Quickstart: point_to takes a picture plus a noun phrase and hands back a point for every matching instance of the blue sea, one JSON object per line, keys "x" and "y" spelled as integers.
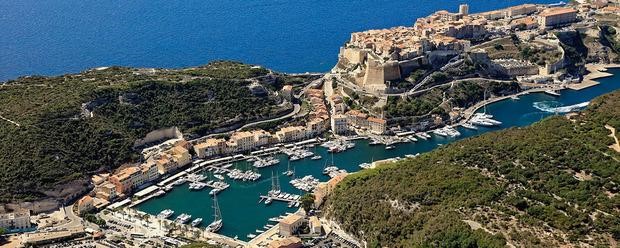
{"x": 53, "y": 37}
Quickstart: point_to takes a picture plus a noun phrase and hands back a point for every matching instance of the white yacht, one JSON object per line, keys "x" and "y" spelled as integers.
{"x": 196, "y": 222}
{"x": 183, "y": 218}
{"x": 165, "y": 214}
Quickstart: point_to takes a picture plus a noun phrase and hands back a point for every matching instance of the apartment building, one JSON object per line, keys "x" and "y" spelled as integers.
{"x": 339, "y": 124}
{"x": 519, "y": 10}
{"x": 288, "y": 134}
{"x": 290, "y": 224}
{"x": 85, "y": 204}
{"x": 553, "y": 17}
{"x": 210, "y": 148}
{"x": 357, "y": 118}
{"x": 376, "y": 125}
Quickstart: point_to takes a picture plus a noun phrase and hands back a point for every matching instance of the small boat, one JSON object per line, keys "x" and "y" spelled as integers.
{"x": 251, "y": 236}
{"x": 268, "y": 201}
{"x": 374, "y": 142}
{"x": 219, "y": 177}
{"x": 165, "y": 214}
{"x": 183, "y": 218}
{"x": 469, "y": 126}
{"x": 316, "y": 157}
{"x": 294, "y": 158}
{"x": 180, "y": 181}
{"x": 365, "y": 165}
{"x": 259, "y": 231}
{"x": 196, "y": 222}
{"x": 214, "y": 191}
{"x": 389, "y": 147}
{"x": 552, "y": 92}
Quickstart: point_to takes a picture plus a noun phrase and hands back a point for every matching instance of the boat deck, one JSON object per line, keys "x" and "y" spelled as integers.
{"x": 275, "y": 198}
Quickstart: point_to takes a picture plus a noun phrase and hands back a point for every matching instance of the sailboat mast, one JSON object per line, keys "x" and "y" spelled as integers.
{"x": 216, "y": 208}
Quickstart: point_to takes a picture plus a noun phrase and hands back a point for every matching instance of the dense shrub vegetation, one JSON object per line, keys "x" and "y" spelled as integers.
{"x": 545, "y": 185}
{"x": 463, "y": 94}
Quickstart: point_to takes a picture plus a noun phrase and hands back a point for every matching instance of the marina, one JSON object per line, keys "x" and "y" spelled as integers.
{"x": 240, "y": 202}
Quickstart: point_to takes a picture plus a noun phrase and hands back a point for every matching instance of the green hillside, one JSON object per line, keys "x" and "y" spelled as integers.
{"x": 56, "y": 142}
{"x": 546, "y": 185}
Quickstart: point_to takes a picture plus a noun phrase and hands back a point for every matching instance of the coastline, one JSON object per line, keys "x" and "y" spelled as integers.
{"x": 596, "y": 71}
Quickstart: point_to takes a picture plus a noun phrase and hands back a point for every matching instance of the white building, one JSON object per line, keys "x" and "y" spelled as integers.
{"x": 339, "y": 124}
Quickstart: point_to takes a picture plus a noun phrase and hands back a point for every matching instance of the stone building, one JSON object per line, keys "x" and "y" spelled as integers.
{"x": 553, "y": 17}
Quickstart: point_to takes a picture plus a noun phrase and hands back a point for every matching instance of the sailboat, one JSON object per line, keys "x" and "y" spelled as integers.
{"x": 289, "y": 172}
{"x": 275, "y": 185}
{"x": 216, "y": 225}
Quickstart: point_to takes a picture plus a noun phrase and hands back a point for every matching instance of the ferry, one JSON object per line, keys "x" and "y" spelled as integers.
{"x": 183, "y": 218}
{"x": 196, "y": 222}
{"x": 165, "y": 214}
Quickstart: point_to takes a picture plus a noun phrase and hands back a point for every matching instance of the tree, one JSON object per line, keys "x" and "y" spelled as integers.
{"x": 2, "y": 231}
{"x": 307, "y": 201}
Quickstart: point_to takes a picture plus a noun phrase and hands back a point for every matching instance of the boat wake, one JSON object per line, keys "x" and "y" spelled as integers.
{"x": 556, "y": 107}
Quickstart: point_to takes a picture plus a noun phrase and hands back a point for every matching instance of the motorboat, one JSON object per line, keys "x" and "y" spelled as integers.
{"x": 165, "y": 214}
{"x": 469, "y": 126}
{"x": 183, "y": 218}
{"x": 552, "y": 92}
{"x": 196, "y": 222}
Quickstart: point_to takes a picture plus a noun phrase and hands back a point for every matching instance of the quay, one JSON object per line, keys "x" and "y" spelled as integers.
{"x": 469, "y": 112}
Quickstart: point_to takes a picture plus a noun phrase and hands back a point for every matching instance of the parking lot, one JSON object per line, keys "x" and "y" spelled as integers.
{"x": 332, "y": 240}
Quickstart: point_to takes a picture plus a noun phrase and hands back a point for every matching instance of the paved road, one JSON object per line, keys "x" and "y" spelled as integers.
{"x": 414, "y": 92}
{"x": 296, "y": 109}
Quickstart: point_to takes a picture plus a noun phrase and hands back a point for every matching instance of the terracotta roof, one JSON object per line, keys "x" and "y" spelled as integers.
{"x": 557, "y": 11}
{"x": 289, "y": 220}
{"x": 377, "y": 120}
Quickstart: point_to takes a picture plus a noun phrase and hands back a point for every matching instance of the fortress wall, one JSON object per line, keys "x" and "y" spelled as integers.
{"x": 374, "y": 73}
{"x": 391, "y": 71}
{"x": 353, "y": 55}
{"x": 408, "y": 66}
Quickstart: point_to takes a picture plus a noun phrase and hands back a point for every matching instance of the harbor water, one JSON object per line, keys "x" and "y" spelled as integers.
{"x": 242, "y": 214}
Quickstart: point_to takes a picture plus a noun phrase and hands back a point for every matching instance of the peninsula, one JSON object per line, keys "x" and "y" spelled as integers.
{"x": 82, "y": 154}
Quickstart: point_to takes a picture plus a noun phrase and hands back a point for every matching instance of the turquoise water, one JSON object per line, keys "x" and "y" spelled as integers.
{"x": 243, "y": 214}
{"x": 50, "y": 37}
